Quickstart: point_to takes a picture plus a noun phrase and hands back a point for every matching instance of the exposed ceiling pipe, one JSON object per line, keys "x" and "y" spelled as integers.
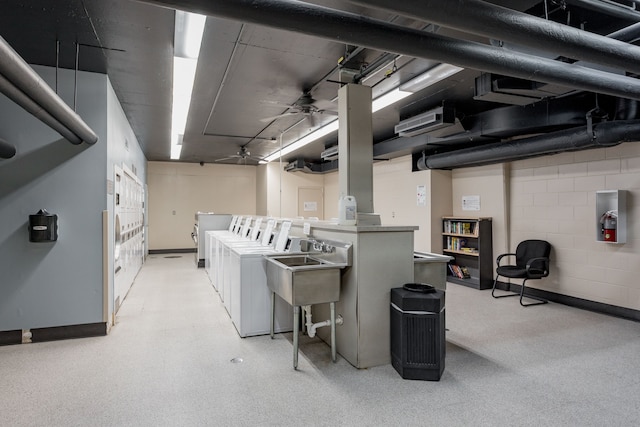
{"x": 489, "y": 20}
{"x": 345, "y": 27}
{"x": 628, "y": 34}
{"x": 607, "y": 8}
{"x": 605, "y": 134}
{"x": 17, "y": 96}
{"x": 7, "y": 150}
{"x": 21, "y": 82}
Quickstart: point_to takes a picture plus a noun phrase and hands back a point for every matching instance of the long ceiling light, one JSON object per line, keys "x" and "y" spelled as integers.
{"x": 428, "y": 78}
{"x": 189, "y": 28}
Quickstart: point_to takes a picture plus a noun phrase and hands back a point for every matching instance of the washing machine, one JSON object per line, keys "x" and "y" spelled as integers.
{"x": 249, "y": 298}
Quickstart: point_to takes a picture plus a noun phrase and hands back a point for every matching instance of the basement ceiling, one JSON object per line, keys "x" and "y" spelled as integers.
{"x": 248, "y": 73}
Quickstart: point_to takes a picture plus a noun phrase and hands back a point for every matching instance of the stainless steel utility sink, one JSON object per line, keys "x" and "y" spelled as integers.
{"x": 307, "y": 279}
{"x": 303, "y": 279}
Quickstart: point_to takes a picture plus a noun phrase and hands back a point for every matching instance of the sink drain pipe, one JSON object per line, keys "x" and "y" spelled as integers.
{"x": 311, "y": 327}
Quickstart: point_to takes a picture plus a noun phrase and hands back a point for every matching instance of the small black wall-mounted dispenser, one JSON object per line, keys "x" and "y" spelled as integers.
{"x": 43, "y": 227}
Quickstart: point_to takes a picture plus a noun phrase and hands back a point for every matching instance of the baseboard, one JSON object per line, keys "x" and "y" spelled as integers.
{"x": 54, "y": 333}
{"x": 172, "y": 251}
{"x": 598, "y": 307}
{"x": 10, "y": 337}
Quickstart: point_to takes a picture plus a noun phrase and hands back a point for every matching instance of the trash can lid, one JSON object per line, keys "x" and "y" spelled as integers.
{"x": 419, "y": 287}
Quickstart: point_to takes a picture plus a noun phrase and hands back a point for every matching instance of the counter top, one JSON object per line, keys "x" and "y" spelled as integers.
{"x": 326, "y": 225}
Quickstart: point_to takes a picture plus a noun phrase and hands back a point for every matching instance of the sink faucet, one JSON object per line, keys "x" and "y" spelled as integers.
{"x": 320, "y": 246}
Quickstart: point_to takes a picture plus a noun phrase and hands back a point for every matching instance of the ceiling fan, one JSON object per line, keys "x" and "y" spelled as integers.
{"x": 242, "y": 157}
{"x": 304, "y": 106}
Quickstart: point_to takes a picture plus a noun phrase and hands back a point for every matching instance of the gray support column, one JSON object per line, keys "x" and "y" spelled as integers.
{"x": 355, "y": 145}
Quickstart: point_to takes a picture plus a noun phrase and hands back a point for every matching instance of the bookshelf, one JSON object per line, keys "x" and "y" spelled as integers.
{"x": 469, "y": 241}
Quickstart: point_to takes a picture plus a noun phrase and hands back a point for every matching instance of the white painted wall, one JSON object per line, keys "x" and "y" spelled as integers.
{"x": 489, "y": 183}
{"x": 286, "y": 184}
{"x": 553, "y": 198}
{"x": 395, "y": 199}
{"x": 178, "y": 190}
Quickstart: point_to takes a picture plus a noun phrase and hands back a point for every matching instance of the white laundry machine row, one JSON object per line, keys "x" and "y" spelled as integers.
{"x": 238, "y": 272}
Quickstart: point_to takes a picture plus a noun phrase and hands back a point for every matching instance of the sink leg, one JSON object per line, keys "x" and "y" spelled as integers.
{"x": 296, "y": 322}
{"x": 332, "y": 306}
{"x": 273, "y": 312}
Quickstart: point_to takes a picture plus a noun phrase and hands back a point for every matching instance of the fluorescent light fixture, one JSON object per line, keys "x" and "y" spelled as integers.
{"x": 389, "y": 98}
{"x": 307, "y": 139}
{"x": 188, "y": 38}
{"x": 430, "y": 77}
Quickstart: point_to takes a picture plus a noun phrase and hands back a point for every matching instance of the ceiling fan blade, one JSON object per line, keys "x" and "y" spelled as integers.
{"x": 272, "y": 118}
{"x": 328, "y": 112}
{"x": 277, "y": 104}
{"x": 226, "y": 158}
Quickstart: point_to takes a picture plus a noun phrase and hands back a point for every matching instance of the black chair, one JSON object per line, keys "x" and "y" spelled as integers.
{"x": 532, "y": 262}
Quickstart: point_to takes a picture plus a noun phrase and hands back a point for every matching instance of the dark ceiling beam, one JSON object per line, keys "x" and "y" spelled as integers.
{"x": 489, "y": 20}
{"x": 344, "y": 27}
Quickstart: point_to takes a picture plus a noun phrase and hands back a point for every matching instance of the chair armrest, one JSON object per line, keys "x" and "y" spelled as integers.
{"x": 534, "y": 271}
{"x": 501, "y": 256}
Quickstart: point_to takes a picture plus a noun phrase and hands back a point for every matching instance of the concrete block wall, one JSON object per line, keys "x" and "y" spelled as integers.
{"x": 554, "y": 198}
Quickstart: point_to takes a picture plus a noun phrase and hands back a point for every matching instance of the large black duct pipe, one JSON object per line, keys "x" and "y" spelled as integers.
{"x": 20, "y": 83}
{"x": 7, "y": 150}
{"x": 607, "y": 8}
{"x": 354, "y": 29}
{"x": 628, "y": 34}
{"x": 605, "y": 134}
{"x": 485, "y": 19}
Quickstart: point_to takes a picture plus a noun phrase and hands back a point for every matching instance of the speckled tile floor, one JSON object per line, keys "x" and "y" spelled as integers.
{"x": 167, "y": 362}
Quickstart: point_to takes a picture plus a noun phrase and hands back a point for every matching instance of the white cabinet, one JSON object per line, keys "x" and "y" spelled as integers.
{"x": 611, "y": 216}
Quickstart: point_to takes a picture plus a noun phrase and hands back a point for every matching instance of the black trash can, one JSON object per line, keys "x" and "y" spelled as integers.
{"x": 418, "y": 331}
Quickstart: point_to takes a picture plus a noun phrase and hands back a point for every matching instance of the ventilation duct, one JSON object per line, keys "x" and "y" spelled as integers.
{"x": 489, "y": 20}
{"x": 350, "y": 28}
{"x": 605, "y": 134}
{"x": 330, "y": 153}
{"x": 7, "y": 150}
{"x": 432, "y": 120}
{"x": 298, "y": 165}
{"x": 20, "y": 83}
{"x": 509, "y": 90}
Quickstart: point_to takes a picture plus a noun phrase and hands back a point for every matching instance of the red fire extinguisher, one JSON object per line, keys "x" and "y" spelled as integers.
{"x": 609, "y": 222}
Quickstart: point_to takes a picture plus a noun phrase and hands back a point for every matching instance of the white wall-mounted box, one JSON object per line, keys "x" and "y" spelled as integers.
{"x": 611, "y": 201}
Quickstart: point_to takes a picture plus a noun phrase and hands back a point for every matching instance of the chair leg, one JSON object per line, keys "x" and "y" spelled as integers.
{"x": 495, "y": 282}
{"x": 539, "y": 300}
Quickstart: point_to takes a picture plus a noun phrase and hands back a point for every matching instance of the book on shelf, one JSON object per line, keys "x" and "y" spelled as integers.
{"x": 459, "y": 272}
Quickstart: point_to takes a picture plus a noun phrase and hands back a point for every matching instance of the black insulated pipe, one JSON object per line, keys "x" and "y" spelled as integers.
{"x": 344, "y": 27}
{"x": 21, "y": 82}
{"x": 485, "y": 19}
{"x": 607, "y": 8}
{"x": 605, "y": 134}
{"x": 7, "y": 150}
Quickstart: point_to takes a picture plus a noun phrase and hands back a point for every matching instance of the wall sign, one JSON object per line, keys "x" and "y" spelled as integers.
{"x": 470, "y": 203}
{"x": 421, "y": 195}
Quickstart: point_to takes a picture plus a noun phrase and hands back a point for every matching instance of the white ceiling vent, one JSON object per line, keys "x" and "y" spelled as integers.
{"x": 430, "y": 121}
{"x": 330, "y": 153}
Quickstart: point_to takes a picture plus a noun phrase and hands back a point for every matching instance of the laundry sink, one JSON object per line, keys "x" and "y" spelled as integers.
{"x": 294, "y": 261}
{"x": 309, "y": 278}
{"x": 303, "y": 280}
